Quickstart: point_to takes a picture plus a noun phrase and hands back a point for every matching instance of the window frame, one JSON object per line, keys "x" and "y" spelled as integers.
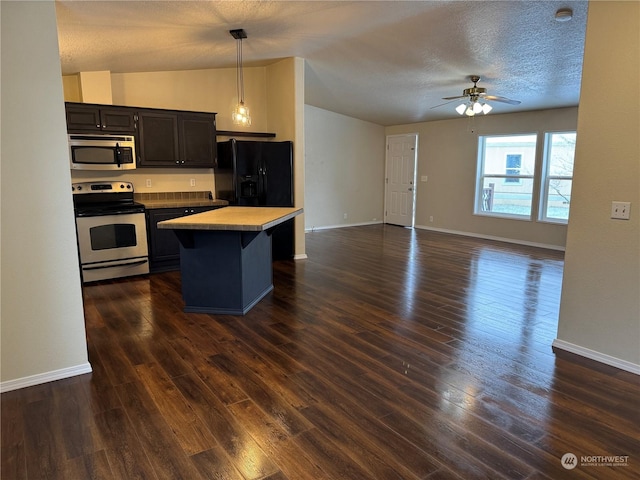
{"x": 546, "y": 178}
{"x": 481, "y": 176}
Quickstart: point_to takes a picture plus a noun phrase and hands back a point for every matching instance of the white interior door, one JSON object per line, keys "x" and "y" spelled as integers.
{"x": 399, "y": 197}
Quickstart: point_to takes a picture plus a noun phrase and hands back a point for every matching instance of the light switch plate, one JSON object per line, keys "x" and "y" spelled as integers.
{"x": 620, "y": 210}
{"x": 423, "y": 178}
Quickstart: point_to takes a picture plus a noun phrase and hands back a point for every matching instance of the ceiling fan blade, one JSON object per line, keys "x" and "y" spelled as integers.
{"x": 454, "y": 98}
{"x": 445, "y": 103}
{"x": 496, "y": 98}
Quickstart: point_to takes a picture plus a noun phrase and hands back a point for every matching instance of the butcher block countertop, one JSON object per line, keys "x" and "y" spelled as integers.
{"x": 246, "y": 219}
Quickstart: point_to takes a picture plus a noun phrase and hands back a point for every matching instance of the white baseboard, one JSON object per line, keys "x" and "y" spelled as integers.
{"x": 597, "y": 356}
{"x": 342, "y": 225}
{"x": 492, "y": 237}
{"x": 44, "y": 377}
{"x": 302, "y": 256}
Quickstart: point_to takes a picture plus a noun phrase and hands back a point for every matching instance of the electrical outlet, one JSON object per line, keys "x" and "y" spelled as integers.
{"x": 148, "y": 183}
{"x": 192, "y": 182}
{"x": 423, "y": 178}
{"x": 620, "y": 210}
{"x": 345, "y": 216}
{"x": 431, "y": 218}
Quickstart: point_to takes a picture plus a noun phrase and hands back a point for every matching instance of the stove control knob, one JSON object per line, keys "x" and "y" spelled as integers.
{"x": 121, "y": 185}
{"x": 129, "y": 186}
{"x": 79, "y": 188}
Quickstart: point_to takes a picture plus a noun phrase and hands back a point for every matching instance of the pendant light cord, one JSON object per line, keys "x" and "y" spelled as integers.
{"x": 239, "y": 72}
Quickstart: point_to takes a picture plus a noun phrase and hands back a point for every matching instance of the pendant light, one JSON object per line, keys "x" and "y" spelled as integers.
{"x": 240, "y": 115}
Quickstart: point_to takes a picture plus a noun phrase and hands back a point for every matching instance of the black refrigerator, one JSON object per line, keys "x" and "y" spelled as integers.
{"x": 251, "y": 173}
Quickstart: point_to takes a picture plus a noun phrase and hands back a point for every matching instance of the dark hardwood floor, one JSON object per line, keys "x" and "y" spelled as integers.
{"x": 388, "y": 354}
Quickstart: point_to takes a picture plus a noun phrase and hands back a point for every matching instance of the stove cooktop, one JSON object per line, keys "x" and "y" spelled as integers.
{"x": 104, "y": 198}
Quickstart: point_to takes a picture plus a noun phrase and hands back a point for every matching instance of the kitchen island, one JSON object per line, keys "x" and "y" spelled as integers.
{"x": 225, "y": 256}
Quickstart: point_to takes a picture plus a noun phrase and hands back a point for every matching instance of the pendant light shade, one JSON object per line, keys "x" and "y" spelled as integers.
{"x": 240, "y": 115}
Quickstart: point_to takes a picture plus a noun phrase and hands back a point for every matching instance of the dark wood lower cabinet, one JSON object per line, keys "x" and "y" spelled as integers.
{"x": 164, "y": 248}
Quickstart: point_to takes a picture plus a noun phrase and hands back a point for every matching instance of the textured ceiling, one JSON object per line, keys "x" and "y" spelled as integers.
{"x": 387, "y": 62}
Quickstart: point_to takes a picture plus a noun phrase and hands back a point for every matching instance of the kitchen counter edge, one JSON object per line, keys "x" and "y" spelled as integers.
{"x": 253, "y": 221}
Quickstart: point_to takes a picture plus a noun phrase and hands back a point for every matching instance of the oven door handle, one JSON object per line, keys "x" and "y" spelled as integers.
{"x": 131, "y": 264}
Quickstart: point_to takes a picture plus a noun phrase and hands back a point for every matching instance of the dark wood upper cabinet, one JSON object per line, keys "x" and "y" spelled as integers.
{"x": 158, "y": 142}
{"x": 83, "y": 118}
{"x": 118, "y": 120}
{"x": 177, "y": 139}
{"x": 197, "y": 136}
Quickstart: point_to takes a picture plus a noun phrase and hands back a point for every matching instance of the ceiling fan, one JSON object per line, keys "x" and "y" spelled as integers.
{"x": 475, "y": 99}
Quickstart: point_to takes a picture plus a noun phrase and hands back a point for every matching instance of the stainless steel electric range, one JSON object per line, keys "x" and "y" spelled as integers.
{"x": 111, "y": 229}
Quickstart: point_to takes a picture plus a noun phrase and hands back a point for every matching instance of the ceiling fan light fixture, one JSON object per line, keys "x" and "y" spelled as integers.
{"x": 475, "y": 100}
{"x": 240, "y": 115}
{"x": 473, "y": 108}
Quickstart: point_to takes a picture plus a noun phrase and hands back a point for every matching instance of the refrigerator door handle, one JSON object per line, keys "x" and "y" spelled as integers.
{"x": 263, "y": 198}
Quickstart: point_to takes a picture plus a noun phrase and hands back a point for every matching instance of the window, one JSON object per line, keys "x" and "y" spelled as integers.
{"x": 557, "y": 176}
{"x": 514, "y": 163}
{"x": 506, "y": 166}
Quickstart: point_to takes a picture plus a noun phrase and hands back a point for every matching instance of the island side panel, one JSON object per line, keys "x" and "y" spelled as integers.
{"x": 225, "y": 272}
{"x": 257, "y": 273}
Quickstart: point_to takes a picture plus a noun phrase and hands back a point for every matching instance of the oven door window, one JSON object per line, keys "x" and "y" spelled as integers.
{"x": 105, "y": 238}
{"x": 117, "y": 235}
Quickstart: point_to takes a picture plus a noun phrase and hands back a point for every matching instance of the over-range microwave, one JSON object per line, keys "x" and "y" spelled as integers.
{"x": 102, "y": 151}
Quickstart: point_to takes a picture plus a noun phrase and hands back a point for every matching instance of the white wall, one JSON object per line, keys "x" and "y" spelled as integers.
{"x": 447, "y": 155}
{"x": 43, "y": 334}
{"x": 600, "y": 308}
{"x": 344, "y": 170}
